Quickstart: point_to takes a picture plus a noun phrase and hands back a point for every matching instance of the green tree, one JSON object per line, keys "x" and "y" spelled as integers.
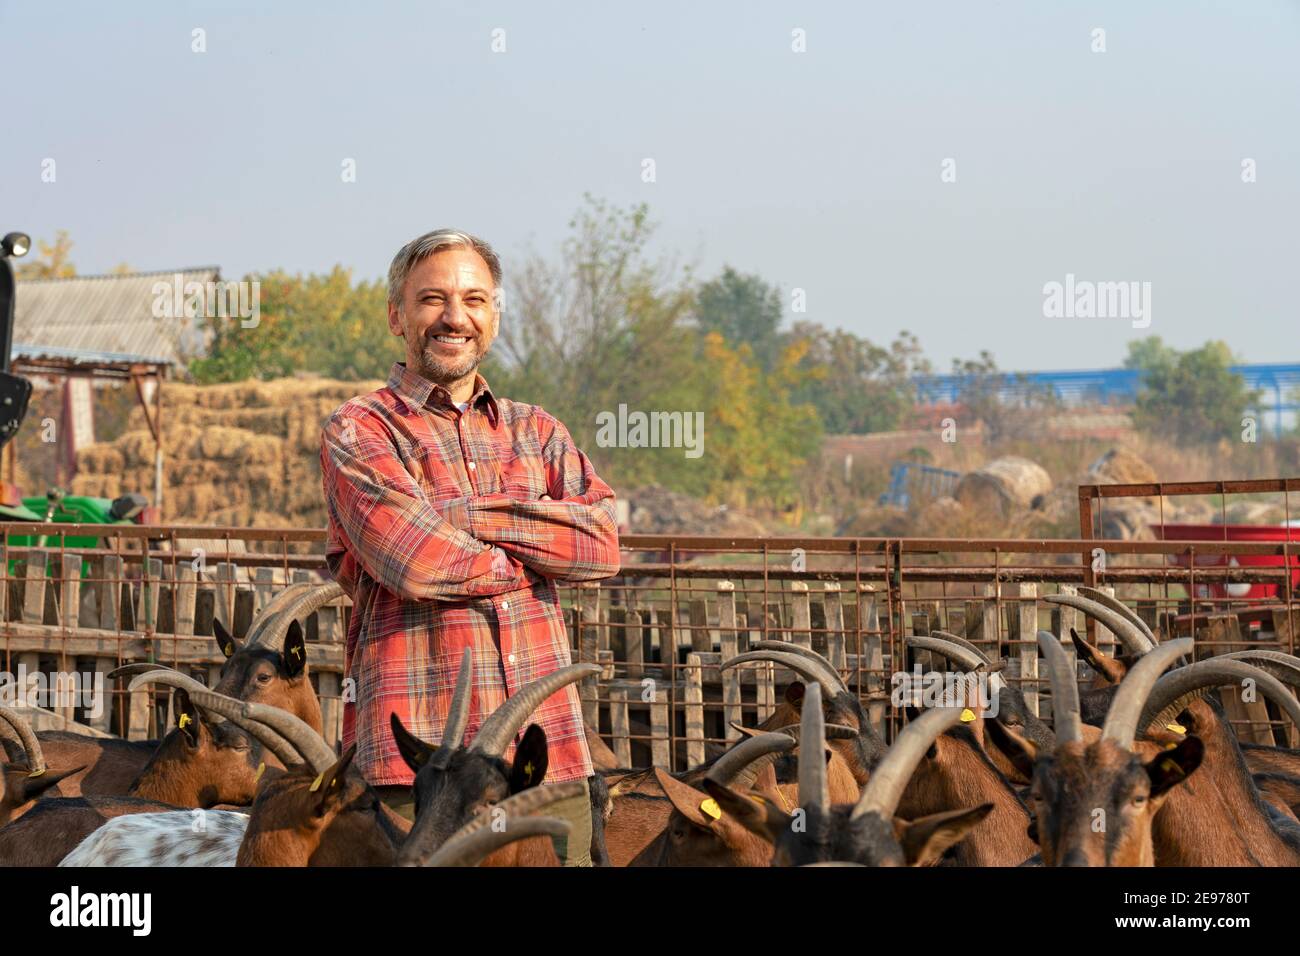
{"x": 744, "y": 310}
{"x": 855, "y": 385}
{"x": 1191, "y": 396}
{"x": 321, "y": 322}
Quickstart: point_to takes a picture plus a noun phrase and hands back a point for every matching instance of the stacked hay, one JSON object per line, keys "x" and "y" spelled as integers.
{"x": 244, "y": 454}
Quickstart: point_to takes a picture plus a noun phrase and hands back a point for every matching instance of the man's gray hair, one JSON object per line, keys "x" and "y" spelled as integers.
{"x": 426, "y": 245}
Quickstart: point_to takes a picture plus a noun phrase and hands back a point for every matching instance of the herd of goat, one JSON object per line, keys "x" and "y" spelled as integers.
{"x": 1140, "y": 768}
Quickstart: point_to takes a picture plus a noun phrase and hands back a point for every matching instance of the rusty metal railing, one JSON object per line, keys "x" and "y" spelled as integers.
{"x": 661, "y": 628}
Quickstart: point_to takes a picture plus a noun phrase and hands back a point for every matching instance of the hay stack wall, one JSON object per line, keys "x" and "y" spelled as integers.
{"x": 244, "y": 454}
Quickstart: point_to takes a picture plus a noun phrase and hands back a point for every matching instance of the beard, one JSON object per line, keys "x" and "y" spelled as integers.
{"x": 441, "y": 372}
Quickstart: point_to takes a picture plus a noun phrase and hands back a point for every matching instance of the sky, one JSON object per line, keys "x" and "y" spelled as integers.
{"x": 920, "y": 166}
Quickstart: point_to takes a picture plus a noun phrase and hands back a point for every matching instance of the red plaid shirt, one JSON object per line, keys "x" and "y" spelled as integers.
{"x": 437, "y": 534}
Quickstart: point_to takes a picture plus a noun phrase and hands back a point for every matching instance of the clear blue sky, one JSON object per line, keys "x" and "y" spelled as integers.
{"x": 817, "y": 170}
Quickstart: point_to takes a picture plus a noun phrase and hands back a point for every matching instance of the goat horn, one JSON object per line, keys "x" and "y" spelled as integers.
{"x": 786, "y": 647}
{"x": 743, "y": 762}
{"x": 458, "y": 713}
{"x": 1283, "y": 666}
{"x": 516, "y": 808}
{"x": 967, "y": 658}
{"x": 472, "y": 849}
{"x": 504, "y": 722}
{"x": 140, "y": 667}
{"x": 1119, "y": 607}
{"x": 1125, "y": 710}
{"x": 298, "y": 735}
{"x": 171, "y": 678}
{"x": 814, "y": 791}
{"x": 1174, "y": 691}
{"x": 962, "y": 642}
{"x": 273, "y": 636}
{"x": 833, "y": 731}
{"x": 23, "y": 728}
{"x": 889, "y": 779}
{"x": 1134, "y": 641}
{"x": 1065, "y": 689}
{"x": 813, "y": 672}
{"x": 273, "y": 609}
{"x": 216, "y": 706}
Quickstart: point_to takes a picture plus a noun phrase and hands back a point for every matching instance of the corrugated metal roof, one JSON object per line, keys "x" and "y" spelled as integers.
{"x": 108, "y": 314}
{"x": 84, "y": 356}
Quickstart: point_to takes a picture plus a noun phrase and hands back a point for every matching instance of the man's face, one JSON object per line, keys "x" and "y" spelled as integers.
{"x": 446, "y": 315}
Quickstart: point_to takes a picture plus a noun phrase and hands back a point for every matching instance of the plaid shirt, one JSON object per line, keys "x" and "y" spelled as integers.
{"x": 437, "y": 534}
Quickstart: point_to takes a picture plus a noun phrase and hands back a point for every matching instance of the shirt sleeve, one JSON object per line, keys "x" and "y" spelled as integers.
{"x": 572, "y": 538}
{"x": 384, "y": 524}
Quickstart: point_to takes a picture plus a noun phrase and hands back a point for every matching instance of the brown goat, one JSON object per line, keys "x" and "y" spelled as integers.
{"x": 1095, "y": 798}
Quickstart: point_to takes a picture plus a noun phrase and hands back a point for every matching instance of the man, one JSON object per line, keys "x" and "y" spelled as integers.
{"x": 452, "y": 512}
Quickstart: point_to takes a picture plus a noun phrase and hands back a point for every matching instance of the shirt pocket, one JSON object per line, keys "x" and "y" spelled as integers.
{"x": 524, "y": 485}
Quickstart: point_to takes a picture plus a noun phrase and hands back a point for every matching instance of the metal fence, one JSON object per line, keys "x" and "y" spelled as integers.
{"x": 661, "y": 628}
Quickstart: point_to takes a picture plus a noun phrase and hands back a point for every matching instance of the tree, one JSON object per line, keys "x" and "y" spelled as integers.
{"x": 1191, "y": 396}
{"x": 984, "y": 394}
{"x": 324, "y": 323}
{"x": 744, "y": 310}
{"x": 855, "y": 385}
{"x": 53, "y": 261}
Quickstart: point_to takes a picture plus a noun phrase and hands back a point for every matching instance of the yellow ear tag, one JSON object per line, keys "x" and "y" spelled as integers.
{"x": 528, "y": 772}
{"x": 967, "y": 715}
{"x": 315, "y": 784}
{"x": 1171, "y": 746}
{"x": 261, "y": 769}
{"x": 36, "y": 773}
{"x": 229, "y": 649}
{"x": 1168, "y": 766}
{"x": 297, "y": 651}
{"x": 1176, "y": 728}
{"x": 711, "y": 809}
{"x": 184, "y": 721}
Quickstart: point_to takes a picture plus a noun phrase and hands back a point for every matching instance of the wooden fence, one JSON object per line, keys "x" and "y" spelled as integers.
{"x": 660, "y": 635}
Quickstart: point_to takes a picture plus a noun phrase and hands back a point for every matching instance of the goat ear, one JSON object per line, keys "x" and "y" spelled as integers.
{"x": 1112, "y": 670}
{"x": 1172, "y": 767}
{"x": 187, "y": 716}
{"x": 688, "y": 801}
{"x": 530, "y": 760}
{"x": 794, "y": 694}
{"x": 294, "y": 657}
{"x": 751, "y": 811}
{"x": 413, "y": 750}
{"x": 328, "y": 787}
{"x": 925, "y": 839}
{"x": 33, "y": 787}
{"x": 228, "y": 643}
{"x": 1020, "y": 750}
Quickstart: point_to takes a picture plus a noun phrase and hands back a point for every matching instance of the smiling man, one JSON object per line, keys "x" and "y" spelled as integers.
{"x": 452, "y": 513}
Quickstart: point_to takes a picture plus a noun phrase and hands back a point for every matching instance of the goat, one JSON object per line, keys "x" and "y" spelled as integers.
{"x": 24, "y": 781}
{"x": 54, "y": 826}
{"x": 867, "y": 832}
{"x": 696, "y": 832}
{"x": 270, "y": 666}
{"x": 318, "y": 812}
{"x": 454, "y": 782}
{"x": 1095, "y": 800}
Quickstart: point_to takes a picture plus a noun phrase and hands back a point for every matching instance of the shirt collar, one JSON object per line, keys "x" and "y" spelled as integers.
{"x": 418, "y": 392}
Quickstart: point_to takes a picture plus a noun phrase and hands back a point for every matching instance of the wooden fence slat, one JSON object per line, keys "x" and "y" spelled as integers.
{"x": 728, "y": 641}
{"x": 694, "y": 711}
{"x": 34, "y": 591}
{"x": 660, "y": 741}
{"x": 800, "y": 614}
{"x": 1027, "y": 634}
{"x": 620, "y": 742}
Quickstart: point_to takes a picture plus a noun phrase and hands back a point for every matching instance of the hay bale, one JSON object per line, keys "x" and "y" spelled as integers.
{"x": 1119, "y": 466}
{"x": 1004, "y": 485}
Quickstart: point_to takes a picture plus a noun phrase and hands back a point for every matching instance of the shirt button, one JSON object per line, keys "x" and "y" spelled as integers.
{"x": 471, "y": 466}
{"x": 511, "y": 658}
{"x": 505, "y": 605}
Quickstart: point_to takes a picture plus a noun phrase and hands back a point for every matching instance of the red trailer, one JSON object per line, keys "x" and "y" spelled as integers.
{"x": 1237, "y": 532}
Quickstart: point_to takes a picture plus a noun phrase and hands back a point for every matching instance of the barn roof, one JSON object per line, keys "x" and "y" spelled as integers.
{"x": 107, "y": 317}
